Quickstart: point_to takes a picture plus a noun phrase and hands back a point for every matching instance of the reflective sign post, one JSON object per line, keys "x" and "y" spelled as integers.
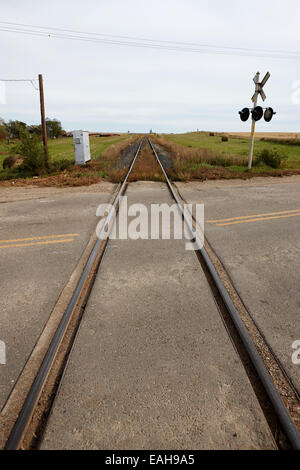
{"x": 255, "y": 100}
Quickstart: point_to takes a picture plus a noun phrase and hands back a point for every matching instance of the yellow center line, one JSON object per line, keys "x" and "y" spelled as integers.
{"x": 258, "y": 220}
{"x": 37, "y": 243}
{"x": 254, "y": 215}
{"x": 39, "y": 238}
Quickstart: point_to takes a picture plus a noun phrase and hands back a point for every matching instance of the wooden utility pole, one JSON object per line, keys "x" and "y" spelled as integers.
{"x": 43, "y": 119}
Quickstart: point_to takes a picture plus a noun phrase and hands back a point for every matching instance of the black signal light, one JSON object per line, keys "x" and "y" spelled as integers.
{"x": 269, "y": 113}
{"x": 257, "y": 113}
{"x": 244, "y": 114}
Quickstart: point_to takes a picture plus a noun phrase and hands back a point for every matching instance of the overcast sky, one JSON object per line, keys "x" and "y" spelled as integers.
{"x": 118, "y": 88}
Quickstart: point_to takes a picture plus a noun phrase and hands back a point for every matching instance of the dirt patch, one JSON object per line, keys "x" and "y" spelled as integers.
{"x": 256, "y": 180}
{"x": 60, "y": 180}
{"x": 217, "y": 173}
{"x": 29, "y": 192}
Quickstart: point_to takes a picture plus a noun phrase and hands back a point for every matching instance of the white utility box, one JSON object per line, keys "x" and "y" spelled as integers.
{"x": 82, "y": 147}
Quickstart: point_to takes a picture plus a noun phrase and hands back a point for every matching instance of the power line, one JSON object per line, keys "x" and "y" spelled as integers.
{"x": 59, "y": 33}
{"x": 149, "y": 40}
{"x": 153, "y": 46}
{"x": 18, "y": 80}
{"x": 33, "y": 84}
{"x": 30, "y": 80}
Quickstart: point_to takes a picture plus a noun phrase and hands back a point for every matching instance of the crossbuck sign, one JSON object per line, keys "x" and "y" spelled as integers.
{"x": 259, "y": 87}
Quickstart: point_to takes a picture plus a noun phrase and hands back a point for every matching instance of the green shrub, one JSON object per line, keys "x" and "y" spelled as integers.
{"x": 31, "y": 149}
{"x": 270, "y": 158}
{"x": 61, "y": 165}
{"x": 9, "y": 174}
{"x": 103, "y": 174}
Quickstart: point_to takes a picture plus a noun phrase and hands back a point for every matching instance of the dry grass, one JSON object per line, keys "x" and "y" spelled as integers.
{"x": 183, "y": 156}
{"x": 204, "y": 164}
{"x": 64, "y": 179}
{"x": 268, "y": 135}
{"x": 146, "y": 167}
{"x": 114, "y": 151}
{"x": 188, "y": 164}
{"x": 272, "y": 137}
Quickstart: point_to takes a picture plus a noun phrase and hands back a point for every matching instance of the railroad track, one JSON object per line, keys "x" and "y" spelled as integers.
{"x": 31, "y": 419}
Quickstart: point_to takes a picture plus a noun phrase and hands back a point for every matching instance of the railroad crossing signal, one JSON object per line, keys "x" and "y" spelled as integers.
{"x": 257, "y": 111}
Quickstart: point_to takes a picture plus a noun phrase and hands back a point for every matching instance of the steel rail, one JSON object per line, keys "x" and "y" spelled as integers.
{"x": 25, "y": 415}
{"x": 279, "y": 407}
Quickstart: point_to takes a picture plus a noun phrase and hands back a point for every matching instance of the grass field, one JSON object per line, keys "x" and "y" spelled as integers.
{"x": 239, "y": 146}
{"x": 63, "y": 149}
{"x": 192, "y": 156}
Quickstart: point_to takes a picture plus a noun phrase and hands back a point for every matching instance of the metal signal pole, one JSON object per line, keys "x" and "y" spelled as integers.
{"x": 258, "y": 91}
{"x": 43, "y": 119}
{"x": 255, "y": 100}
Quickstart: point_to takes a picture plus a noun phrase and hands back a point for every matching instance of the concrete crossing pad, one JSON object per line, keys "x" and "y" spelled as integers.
{"x": 152, "y": 366}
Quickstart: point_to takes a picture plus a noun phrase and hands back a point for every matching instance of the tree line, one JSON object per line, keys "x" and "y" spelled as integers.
{"x": 14, "y": 129}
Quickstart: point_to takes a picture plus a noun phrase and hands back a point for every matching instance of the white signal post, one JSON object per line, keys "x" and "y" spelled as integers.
{"x": 258, "y": 91}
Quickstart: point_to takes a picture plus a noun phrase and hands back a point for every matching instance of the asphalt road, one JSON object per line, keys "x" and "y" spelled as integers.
{"x": 152, "y": 366}
{"x": 43, "y": 233}
{"x": 254, "y": 228}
